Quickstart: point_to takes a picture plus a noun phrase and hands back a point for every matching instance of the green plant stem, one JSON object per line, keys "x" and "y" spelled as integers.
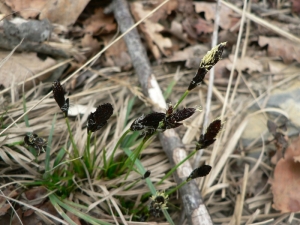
{"x": 117, "y": 145}
{"x": 149, "y": 183}
{"x": 174, "y": 168}
{"x": 181, "y": 99}
{"x": 135, "y": 154}
{"x": 76, "y": 152}
{"x": 177, "y": 187}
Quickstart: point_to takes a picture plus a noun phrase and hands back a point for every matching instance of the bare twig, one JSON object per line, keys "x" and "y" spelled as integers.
{"x": 195, "y": 209}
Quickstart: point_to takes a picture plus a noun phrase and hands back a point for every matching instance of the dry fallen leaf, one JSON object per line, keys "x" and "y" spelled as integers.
{"x": 117, "y": 54}
{"x": 227, "y": 21}
{"x": 27, "y": 8}
{"x": 286, "y": 181}
{"x": 151, "y": 31}
{"x": 64, "y": 12}
{"x": 99, "y": 23}
{"x": 21, "y": 66}
{"x": 163, "y": 11}
{"x": 192, "y": 55}
{"x": 90, "y": 44}
{"x": 280, "y": 47}
{"x": 4, "y": 206}
{"x": 247, "y": 63}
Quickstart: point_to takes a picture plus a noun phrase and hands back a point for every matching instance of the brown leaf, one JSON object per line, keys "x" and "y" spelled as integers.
{"x": 192, "y": 55}
{"x": 163, "y": 11}
{"x": 295, "y": 6}
{"x": 99, "y": 23}
{"x": 4, "y": 206}
{"x": 286, "y": 181}
{"x": 91, "y": 44}
{"x": 226, "y": 19}
{"x": 64, "y": 12}
{"x": 247, "y": 63}
{"x": 27, "y": 8}
{"x": 36, "y": 192}
{"x": 151, "y": 31}
{"x": 21, "y": 66}
{"x": 280, "y": 47}
{"x": 117, "y": 54}
{"x": 74, "y": 218}
{"x": 203, "y": 26}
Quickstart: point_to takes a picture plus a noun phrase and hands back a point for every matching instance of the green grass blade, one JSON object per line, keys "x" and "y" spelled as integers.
{"x": 149, "y": 183}
{"x": 79, "y": 214}
{"x": 60, "y": 210}
{"x": 48, "y": 148}
{"x": 129, "y": 108}
{"x": 59, "y": 157}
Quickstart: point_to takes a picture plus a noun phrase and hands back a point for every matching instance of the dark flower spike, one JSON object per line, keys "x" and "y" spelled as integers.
{"x": 158, "y": 203}
{"x": 172, "y": 120}
{"x": 147, "y": 174}
{"x": 58, "y": 93}
{"x": 210, "y": 135}
{"x": 207, "y": 62}
{"x": 36, "y": 142}
{"x": 150, "y": 121}
{"x": 98, "y": 119}
{"x": 201, "y": 171}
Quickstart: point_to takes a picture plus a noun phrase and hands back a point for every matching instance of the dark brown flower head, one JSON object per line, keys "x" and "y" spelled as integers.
{"x": 172, "y": 120}
{"x": 99, "y": 118}
{"x": 207, "y": 62}
{"x": 36, "y": 142}
{"x": 201, "y": 171}
{"x": 150, "y": 121}
{"x": 58, "y": 93}
{"x": 147, "y": 174}
{"x": 158, "y": 203}
{"x": 210, "y": 135}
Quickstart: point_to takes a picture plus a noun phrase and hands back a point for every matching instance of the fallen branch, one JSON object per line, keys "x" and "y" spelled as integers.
{"x": 194, "y": 207}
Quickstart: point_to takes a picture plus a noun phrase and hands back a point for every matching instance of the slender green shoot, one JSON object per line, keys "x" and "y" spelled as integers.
{"x": 175, "y": 168}
{"x": 181, "y": 99}
{"x": 117, "y": 145}
{"x": 48, "y": 149}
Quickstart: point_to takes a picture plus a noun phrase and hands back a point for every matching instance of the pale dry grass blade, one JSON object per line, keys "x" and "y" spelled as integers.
{"x": 243, "y": 194}
{"x": 35, "y": 208}
{"x": 253, "y": 217}
{"x": 225, "y": 106}
{"x": 38, "y": 75}
{"x": 263, "y": 22}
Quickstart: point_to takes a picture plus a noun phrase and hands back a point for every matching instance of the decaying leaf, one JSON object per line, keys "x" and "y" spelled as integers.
{"x": 155, "y": 41}
{"x": 282, "y": 48}
{"x": 21, "y": 66}
{"x": 99, "y": 23}
{"x": 27, "y": 8}
{"x": 247, "y": 63}
{"x": 64, "y": 12}
{"x": 286, "y": 181}
{"x": 227, "y": 21}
